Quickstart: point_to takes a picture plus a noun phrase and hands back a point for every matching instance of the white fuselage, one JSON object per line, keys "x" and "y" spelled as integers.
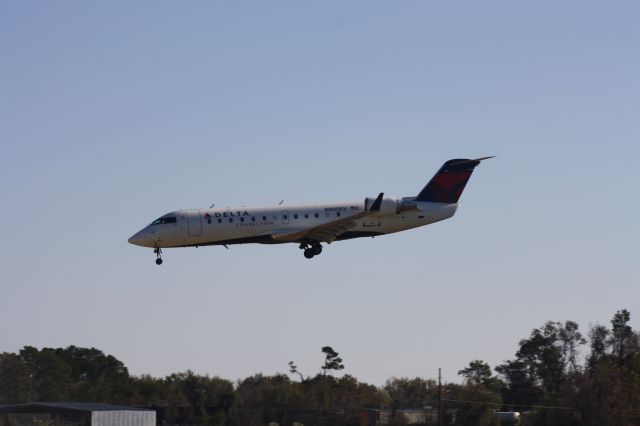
{"x": 196, "y": 227}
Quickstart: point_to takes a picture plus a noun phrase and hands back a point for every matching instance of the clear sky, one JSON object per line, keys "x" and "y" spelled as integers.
{"x": 113, "y": 113}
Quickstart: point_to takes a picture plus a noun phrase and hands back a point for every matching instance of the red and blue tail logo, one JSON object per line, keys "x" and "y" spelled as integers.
{"x": 447, "y": 185}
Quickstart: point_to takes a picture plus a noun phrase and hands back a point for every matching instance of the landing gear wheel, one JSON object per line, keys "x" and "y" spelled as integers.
{"x": 308, "y": 253}
{"x": 158, "y": 253}
{"x": 317, "y": 249}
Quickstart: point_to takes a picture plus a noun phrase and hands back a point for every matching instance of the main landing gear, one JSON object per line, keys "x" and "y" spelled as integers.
{"x": 311, "y": 250}
{"x": 158, "y": 253}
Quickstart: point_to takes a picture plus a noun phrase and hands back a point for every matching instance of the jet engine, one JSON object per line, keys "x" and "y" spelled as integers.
{"x": 406, "y": 203}
{"x": 388, "y": 206}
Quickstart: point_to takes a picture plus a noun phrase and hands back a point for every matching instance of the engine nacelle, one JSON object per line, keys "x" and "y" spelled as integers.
{"x": 388, "y": 206}
{"x": 406, "y": 203}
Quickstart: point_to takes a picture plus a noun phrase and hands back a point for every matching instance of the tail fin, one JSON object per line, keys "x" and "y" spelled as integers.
{"x": 447, "y": 185}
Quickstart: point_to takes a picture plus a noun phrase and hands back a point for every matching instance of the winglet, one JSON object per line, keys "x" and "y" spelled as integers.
{"x": 377, "y": 203}
{"x": 477, "y": 160}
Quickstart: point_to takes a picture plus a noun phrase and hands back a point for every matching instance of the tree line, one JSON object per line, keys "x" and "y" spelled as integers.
{"x": 548, "y": 378}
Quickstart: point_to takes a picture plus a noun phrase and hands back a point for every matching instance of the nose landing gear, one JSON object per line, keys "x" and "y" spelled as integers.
{"x": 312, "y": 249}
{"x": 158, "y": 253}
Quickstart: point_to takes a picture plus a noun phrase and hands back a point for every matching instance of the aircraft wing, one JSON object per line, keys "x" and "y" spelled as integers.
{"x": 328, "y": 232}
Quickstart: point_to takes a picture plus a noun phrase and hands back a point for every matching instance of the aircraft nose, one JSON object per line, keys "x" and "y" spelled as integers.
{"x": 137, "y": 239}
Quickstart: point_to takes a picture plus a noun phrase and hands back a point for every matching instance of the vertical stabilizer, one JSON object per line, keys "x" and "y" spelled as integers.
{"x": 449, "y": 182}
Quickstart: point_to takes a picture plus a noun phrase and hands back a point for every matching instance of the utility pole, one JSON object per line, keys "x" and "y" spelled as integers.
{"x": 439, "y": 396}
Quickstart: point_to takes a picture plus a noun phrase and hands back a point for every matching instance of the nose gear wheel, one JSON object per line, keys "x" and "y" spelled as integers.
{"x": 158, "y": 252}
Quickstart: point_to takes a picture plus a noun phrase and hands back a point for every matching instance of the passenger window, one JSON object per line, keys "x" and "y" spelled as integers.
{"x": 295, "y": 216}
{"x": 316, "y": 215}
{"x": 219, "y": 220}
{"x": 242, "y": 219}
{"x": 253, "y": 219}
{"x": 284, "y": 217}
{"x": 230, "y": 220}
{"x": 306, "y": 216}
{"x": 338, "y": 214}
{"x": 209, "y": 221}
{"x": 264, "y": 218}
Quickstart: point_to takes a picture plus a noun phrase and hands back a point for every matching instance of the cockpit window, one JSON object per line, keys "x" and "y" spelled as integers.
{"x": 163, "y": 220}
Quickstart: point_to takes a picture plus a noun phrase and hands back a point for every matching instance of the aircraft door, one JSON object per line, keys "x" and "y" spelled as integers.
{"x": 194, "y": 221}
{"x": 285, "y": 216}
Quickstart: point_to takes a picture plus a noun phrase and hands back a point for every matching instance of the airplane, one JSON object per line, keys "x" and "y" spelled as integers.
{"x": 311, "y": 225}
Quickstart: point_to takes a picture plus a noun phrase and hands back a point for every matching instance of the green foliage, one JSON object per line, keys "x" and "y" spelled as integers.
{"x": 598, "y": 335}
{"x": 477, "y": 372}
{"x": 16, "y": 383}
{"x": 207, "y": 399}
{"x": 623, "y": 340}
{"x": 544, "y": 377}
{"x": 411, "y": 393}
{"x": 610, "y": 393}
{"x": 95, "y": 376}
{"x": 544, "y": 362}
{"x": 293, "y": 369}
{"x": 318, "y": 400}
{"x": 521, "y": 389}
{"x": 51, "y": 374}
{"x": 332, "y": 360}
{"x": 480, "y": 396}
{"x": 148, "y": 391}
{"x": 475, "y": 403}
{"x": 570, "y": 339}
{"x": 261, "y": 399}
{"x": 77, "y": 374}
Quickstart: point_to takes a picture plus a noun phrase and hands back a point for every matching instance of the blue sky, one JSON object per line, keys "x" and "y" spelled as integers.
{"x": 114, "y": 113}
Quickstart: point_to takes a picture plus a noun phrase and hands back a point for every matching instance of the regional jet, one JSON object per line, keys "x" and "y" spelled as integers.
{"x": 310, "y": 225}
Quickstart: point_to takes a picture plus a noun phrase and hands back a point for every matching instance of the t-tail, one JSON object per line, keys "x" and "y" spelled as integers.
{"x": 447, "y": 185}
